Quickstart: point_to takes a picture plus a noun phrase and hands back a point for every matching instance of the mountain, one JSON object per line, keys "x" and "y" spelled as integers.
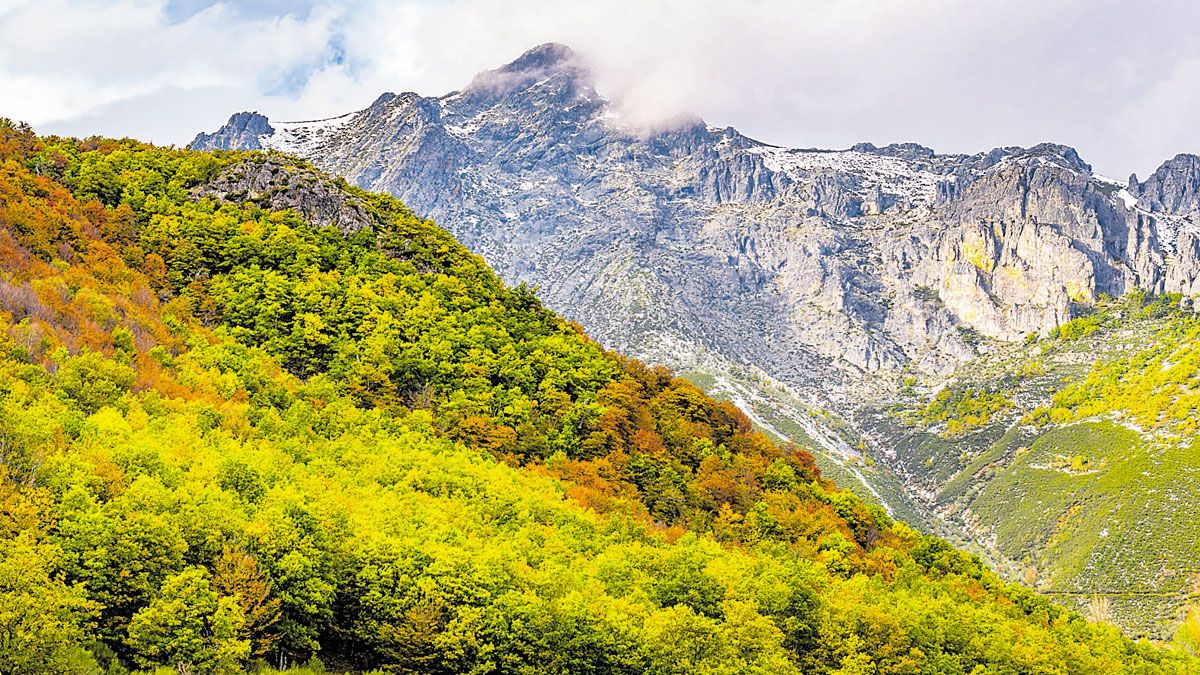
{"x": 812, "y": 287}
{"x": 696, "y": 243}
{"x": 252, "y": 416}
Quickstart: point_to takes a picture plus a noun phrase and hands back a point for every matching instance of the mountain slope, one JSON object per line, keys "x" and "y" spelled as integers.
{"x": 1083, "y": 472}
{"x": 811, "y": 285}
{"x": 251, "y": 414}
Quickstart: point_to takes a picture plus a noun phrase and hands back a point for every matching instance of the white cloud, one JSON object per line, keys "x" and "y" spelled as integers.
{"x": 1111, "y": 78}
{"x": 65, "y": 61}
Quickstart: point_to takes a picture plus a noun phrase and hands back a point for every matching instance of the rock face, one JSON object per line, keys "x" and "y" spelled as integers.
{"x": 697, "y": 246}
{"x": 268, "y": 181}
{"x": 241, "y": 132}
{"x": 1174, "y": 187}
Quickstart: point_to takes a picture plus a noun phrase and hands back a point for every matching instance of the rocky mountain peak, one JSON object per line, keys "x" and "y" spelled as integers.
{"x": 241, "y": 132}
{"x": 902, "y": 150}
{"x": 544, "y": 64}
{"x": 384, "y": 99}
{"x": 1174, "y": 187}
{"x": 1062, "y": 155}
{"x": 690, "y": 244}
{"x": 541, "y": 58}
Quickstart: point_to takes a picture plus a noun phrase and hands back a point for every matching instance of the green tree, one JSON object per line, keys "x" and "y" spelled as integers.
{"x": 43, "y": 621}
{"x": 190, "y": 627}
{"x": 93, "y": 381}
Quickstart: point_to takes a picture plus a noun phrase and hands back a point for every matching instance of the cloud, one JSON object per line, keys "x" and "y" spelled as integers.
{"x": 1115, "y": 79}
{"x": 179, "y": 10}
{"x": 63, "y": 62}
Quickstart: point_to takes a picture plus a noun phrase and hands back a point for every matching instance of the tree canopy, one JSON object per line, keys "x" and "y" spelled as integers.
{"x": 234, "y": 438}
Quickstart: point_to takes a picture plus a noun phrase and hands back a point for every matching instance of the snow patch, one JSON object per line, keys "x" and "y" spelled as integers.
{"x": 893, "y": 176}
{"x": 304, "y": 138}
{"x": 1127, "y": 198}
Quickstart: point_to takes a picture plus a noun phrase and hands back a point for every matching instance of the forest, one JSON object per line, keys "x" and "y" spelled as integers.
{"x": 241, "y": 434}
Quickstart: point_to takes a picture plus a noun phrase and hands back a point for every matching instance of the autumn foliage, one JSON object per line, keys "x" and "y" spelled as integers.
{"x": 233, "y": 439}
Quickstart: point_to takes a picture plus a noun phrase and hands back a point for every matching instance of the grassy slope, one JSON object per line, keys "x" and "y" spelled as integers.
{"x": 1092, "y": 504}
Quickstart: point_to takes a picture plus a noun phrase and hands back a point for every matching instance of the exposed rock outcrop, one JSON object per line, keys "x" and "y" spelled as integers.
{"x": 1174, "y": 188}
{"x": 275, "y": 184}
{"x": 241, "y": 132}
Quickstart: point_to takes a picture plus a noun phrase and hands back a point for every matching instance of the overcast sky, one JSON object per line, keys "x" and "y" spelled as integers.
{"x": 1119, "y": 80}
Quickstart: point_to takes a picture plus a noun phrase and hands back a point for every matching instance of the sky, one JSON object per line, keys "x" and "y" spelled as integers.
{"x": 1118, "y": 80}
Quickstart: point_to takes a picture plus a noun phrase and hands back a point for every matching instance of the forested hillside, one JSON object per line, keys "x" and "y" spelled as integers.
{"x": 253, "y": 417}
